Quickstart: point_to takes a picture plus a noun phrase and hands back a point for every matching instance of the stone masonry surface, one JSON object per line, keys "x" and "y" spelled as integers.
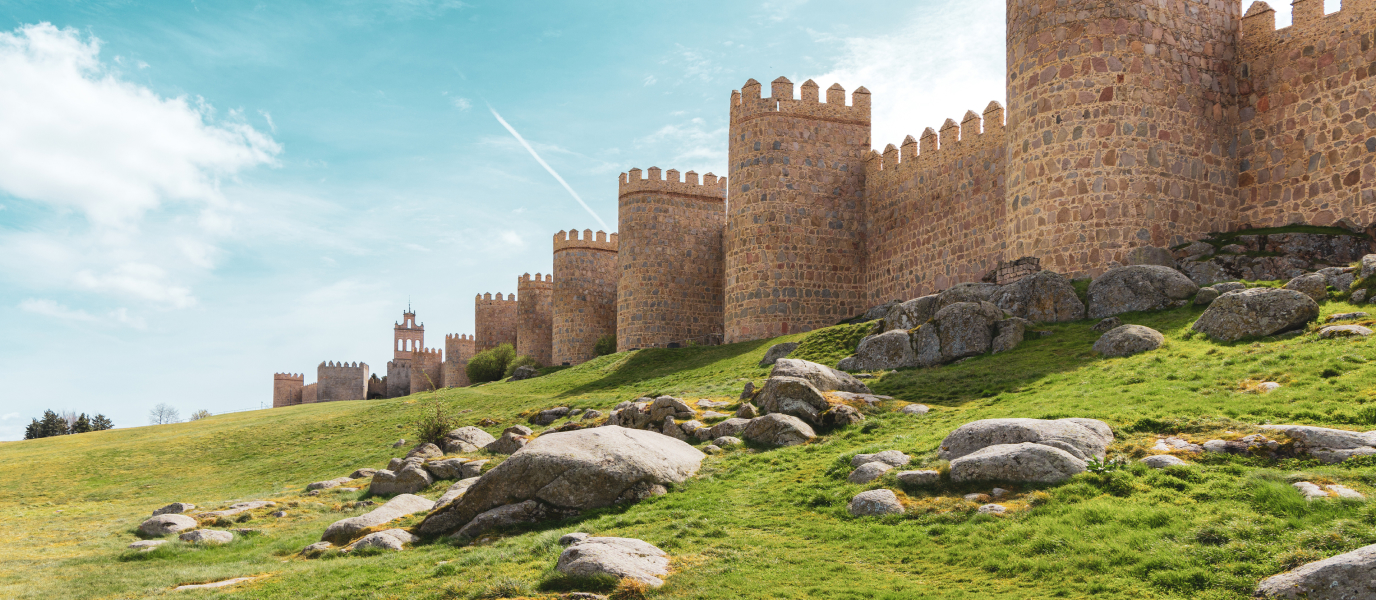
{"x": 535, "y": 317}
{"x": 458, "y": 348}
{"x": 585, "y": 279}
{"x": 286, "y": 389}
{"x": 669, "y": 257}
{"x": 494, "y": 321}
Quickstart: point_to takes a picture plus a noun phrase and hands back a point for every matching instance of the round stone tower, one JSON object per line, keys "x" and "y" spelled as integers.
{"x": 670, "y": 259}
{"x": 584, "y": 294}
{"x": 535, "y": 317}
{"x": 795, "y": 240}
{"x": 1117, "y": 128}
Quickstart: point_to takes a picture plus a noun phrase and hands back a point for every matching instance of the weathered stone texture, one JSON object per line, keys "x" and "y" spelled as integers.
{"x": 671, "y": 270}
{"x": 286, "y": 389}
{"x": 585, "y": 279}
{"x": 935, "y": 210}
{"x": 795, "y": 224}
{"x": 341, "y": 381}
{"x": 1119, "y": 128}
{"x": 535, "y": 317}
{"x": 494, "y": 321}
{"x": 458, "y": 348}
{"x": 1306, "y": 134}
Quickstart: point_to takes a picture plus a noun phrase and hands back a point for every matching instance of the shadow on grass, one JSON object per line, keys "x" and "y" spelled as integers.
{"x": 656, "y": 363}
{"x": 1068, "y": 347}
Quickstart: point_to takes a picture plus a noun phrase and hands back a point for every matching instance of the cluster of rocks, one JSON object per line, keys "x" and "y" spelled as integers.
{"x": 1272, "y": 257}
{"x": 170, "y": 520}
{"x": 1329, "y": 446}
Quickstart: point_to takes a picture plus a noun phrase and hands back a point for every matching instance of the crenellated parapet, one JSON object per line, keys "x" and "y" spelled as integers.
{"x": 286, "y": 389}
{"x": 341, "y": 381}
{"x": 288, "y": 376}
{"x": 747, "y": 103}
{"x": 489, "y": 299}
{"x": 535, "y": 317}
{"x": 711, "y": 187}
{"x": 458, "y": 348}
{"x": 565, "y": 240}
{"x": 494, "y": 320}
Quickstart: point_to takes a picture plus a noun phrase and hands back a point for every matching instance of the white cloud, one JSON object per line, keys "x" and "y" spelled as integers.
{"x": 123, "y": 173}
{"x": 49, "y": 308}
{"x": 512, "y": 238}
{"x": 691, "y": 145}
{"x": 268, "y": 117}
{"x": 9, "y": 416}
{"x": 462, "y": 103}
{"x": 778, "y": 10}
{"x": 650, "y": 80}
{"x": 937, "y": 67}
{"x": 77, "y": 136}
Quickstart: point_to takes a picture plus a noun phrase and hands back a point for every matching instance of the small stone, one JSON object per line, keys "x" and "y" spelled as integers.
{"x": 776, "y": 352}
{"x": 279, "y": 514}
{"x": 748, "y": 391}
{"x": 992, "y": 509}
{"x": 591, "y": 414}
{"x": 146, "y": 545}
{"x": 400, "y": 443}
{"x": 1339, "y": 331}
{"x": 869, "y": 472}
{"x": 711, "y": 449}
{"x": 726, "y": 440}
{"x": 1343, "y": 491}
{"x": 316, "y": 549}
{"x": 362, "y": 473}
{"x": 998, "y": 492}
{"x": 976, "y": 497}
{"x": 1162, "y": 461}
{"x": 1351, "y": 316}
{"x": 747, "y": 411}
{"x": 207, "y": 536}
{"x": 1359, "y": 296}
{"x": 1267, "y": 386}
{"x": 712, "y": 414}
{"x": 915, "y": 409}
{"x": 174, "y": 508}
{"x": 875, "y": 503}
{"x": 1173, "y": 444}
{"x": 165, "y": 524}
{"x": 1127, "y": 340}
{"x": 1206, "y": 296}
{"x": 893, "y": 458}
{"x": 572, "y": 538}
{"x": 1309, "y": 490}
{"x": 1107, "y": 325}
{"x": 923, "y": 477}
{"x": 713, "y": 403}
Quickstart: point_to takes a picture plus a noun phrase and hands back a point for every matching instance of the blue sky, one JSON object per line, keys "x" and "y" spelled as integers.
{"x": 194, "y": 195}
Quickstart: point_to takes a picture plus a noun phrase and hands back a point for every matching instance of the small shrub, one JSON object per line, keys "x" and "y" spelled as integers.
{"x": 522, "y": 361}
{"x": 605, "y": 345}
{"x": 432, "y": 427}
{"x": 490, "y": 365}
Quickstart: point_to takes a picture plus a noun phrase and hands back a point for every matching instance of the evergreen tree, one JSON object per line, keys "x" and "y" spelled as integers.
{"x": 53, "y": 424}
{"x": 34, "y": 430}
{"x": 82, "y": 424}
{"x": 101, "y": 423}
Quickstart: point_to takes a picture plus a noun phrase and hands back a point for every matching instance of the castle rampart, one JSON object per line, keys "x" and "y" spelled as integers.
{"x": 1306, "y": 131}
{"x": 341, "y": 381}
{"x": 286, "y": 389}
{"x": 494, "y": 321}
{"x": 308, "y": 395}
{"x": 535, "y": 317}
{"x": 458, "y": 348}
{"x": 935, "y": 208}
{"x": 795, "y": 239}
{"x": 427, "y": 366}
{"x": 671, "y": 269}
{"x": 1119, "y": 127}
{"x": 585, "y": 279}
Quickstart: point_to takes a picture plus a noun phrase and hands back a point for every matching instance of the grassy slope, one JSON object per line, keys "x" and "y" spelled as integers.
{"x": 757, "y": 523}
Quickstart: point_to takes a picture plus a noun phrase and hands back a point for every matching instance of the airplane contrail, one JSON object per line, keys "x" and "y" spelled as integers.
{"x": 544, "y": 164}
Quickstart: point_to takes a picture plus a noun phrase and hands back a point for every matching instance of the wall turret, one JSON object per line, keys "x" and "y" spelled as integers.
{"x": 458, "y": 348}
{"x": 795, "y": 239}
{"x": 494, "y": 321}
{"x": 535, "y": 317}
{"x": 286, "y": 389}
{"x": 585, "y": 278}
{"x": 341, "y": 381}
{"x": 671, "y": 283}
{"x": 1119, "y": 131}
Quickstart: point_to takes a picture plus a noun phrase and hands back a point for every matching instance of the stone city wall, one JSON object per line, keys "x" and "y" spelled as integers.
{"x": 458, "y": 348}
{"x": 795, "y": 227}
{"x": 535, "y": 317}
{"x": 494, "y": 321}
{"x": 286, "y": 389}
{"x": 669, "y": 259}
{"x": 935, "y": 208}
{"x": 1119, "y": 128}
{"x": 341, "y": 381}
{"x": 1306, "y": 129}
{"x": 427, "y": 366}
{"x": 308, "y": 395}
{"x": 585, "y": 279}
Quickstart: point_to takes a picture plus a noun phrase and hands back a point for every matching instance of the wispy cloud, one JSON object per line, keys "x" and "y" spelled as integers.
{"x": 461, "y": 103}
{"x": 9, "y": 416}
{"x": 650, "y": 80}
{"x": 551, "y": 170}
{"x": 512, "y": 238}
{"x": 692, "y": 144}
{"x": 778, "y": 10}
{"x": 49, "y": 308}
{"x": 937, "y": 67}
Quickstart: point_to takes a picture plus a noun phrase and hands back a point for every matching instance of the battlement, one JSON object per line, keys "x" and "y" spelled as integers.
{"x": 428, "y": 355}
{"x": 972, "y": 129}
{"x": 457, "y": 337}
{"x": 289, "y": 376}
{"x": 712, "y": 187}
{"x": 489, "y": 299}
{"x": 539, "y": 282}
{"x": 1306, "y": 16}
{"x": 565, "y": 240}
{"x": 343, "y": 365}
{"x": 746, "y": 103}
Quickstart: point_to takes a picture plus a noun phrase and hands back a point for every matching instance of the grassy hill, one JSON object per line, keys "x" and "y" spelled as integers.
{"x": 756, "y": 523}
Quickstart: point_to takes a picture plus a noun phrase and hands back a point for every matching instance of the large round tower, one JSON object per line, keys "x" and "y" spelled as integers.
{"x": 795, "y": 240}
{"x": 584, "y": 294}
{"x": 1117, "y": 127}
{"x": 670, "y": 259}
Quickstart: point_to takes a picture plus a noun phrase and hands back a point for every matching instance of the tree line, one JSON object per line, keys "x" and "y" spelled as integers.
{"x": 54, "y": 424}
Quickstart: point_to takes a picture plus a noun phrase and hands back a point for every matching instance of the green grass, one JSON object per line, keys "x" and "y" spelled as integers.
{"x": 755, "y": 523}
